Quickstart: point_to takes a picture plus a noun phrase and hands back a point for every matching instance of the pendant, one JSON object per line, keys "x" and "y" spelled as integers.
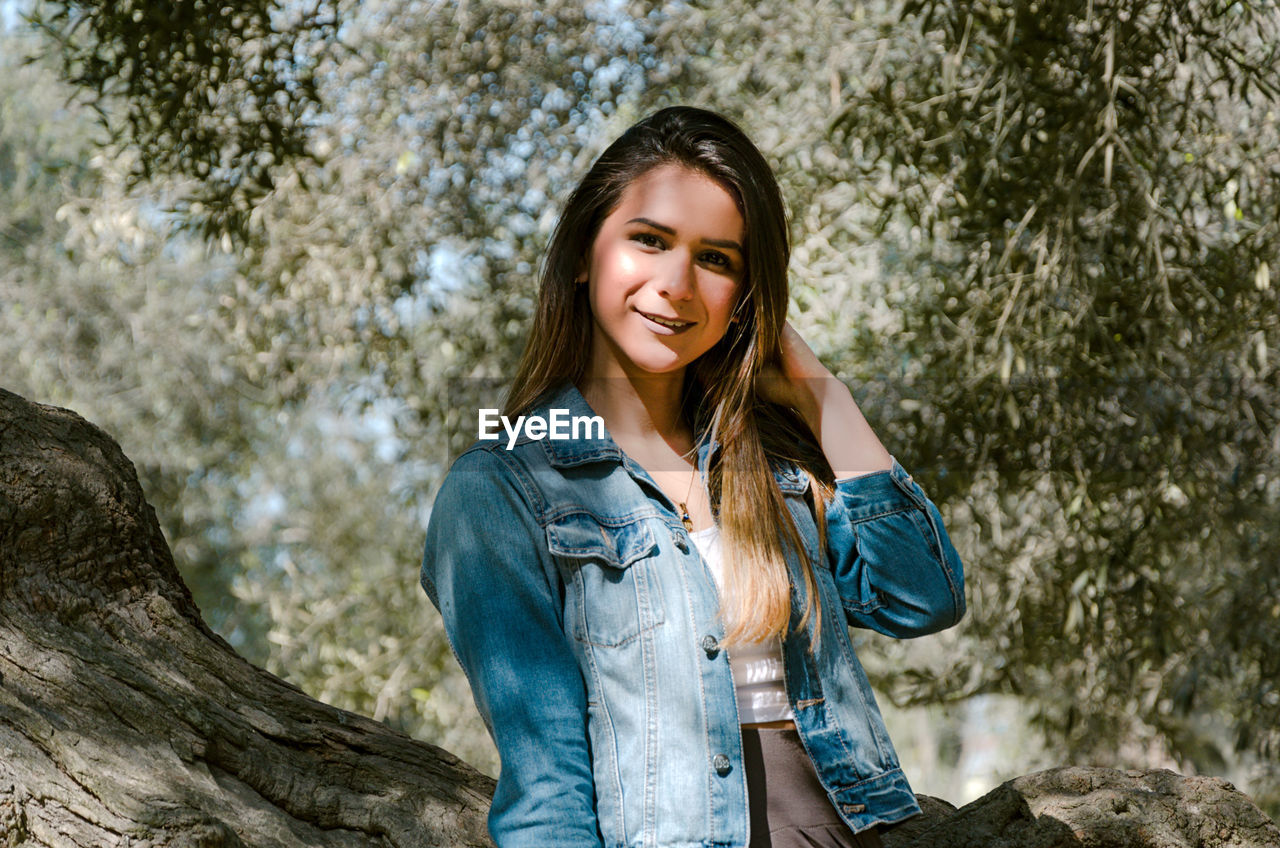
{"x": 685, "y": 519}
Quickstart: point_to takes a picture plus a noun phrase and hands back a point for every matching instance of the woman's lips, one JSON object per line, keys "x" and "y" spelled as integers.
{"x": 658, "y": 325}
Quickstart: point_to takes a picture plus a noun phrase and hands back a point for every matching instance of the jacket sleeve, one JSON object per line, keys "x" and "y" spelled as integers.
{"x": 487, "y": 570}
{"x": 895, "y": 568}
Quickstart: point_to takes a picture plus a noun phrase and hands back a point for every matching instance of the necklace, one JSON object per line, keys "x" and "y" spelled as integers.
{"x": 685, "y": 518}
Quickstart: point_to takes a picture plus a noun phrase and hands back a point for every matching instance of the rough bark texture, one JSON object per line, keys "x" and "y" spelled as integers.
{"x": 125, "y": 721}
{"x": 1079, "y": 807}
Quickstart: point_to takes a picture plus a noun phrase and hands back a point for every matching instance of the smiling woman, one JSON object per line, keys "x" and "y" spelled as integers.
{"x": 652, "y": 617}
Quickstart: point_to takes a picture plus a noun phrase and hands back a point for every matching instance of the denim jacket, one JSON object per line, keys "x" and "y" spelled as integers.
{"x": 586, "y": 622}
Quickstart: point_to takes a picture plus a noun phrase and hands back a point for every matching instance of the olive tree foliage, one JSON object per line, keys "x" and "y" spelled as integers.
{"x": 1036, "y": 239}
{"x": 102, "y": 311}
{"x": 1083, "y": 202}
{"x": 216, "y": 91}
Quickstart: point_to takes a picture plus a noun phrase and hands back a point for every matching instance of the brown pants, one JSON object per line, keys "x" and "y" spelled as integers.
{"x": 789, "y": 807}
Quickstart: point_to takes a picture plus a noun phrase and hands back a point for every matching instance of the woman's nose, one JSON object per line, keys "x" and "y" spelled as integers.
{"x": 677, "y": 281}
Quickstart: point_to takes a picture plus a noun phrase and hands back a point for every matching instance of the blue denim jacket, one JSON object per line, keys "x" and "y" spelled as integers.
{"x": 586, "y": 622}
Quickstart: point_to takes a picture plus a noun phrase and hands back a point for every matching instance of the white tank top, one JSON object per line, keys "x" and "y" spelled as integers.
{"x": 757, "y": 666}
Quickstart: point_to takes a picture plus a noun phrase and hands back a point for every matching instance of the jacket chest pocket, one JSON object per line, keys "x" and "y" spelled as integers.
{"x": 615, "y": 594}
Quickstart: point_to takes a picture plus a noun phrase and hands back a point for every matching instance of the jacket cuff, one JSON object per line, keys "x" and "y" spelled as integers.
{"x": 880, "y": 492}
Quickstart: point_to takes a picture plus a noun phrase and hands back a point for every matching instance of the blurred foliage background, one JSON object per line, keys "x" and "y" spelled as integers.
{"x": 283, "y": 250}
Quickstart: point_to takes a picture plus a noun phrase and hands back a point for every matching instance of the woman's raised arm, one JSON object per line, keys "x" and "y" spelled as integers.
{"x": 895, "y": 567}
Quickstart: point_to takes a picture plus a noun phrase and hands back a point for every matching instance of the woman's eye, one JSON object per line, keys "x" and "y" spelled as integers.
{"x": 647, "y": 239}
{"x": 718, "y": 259}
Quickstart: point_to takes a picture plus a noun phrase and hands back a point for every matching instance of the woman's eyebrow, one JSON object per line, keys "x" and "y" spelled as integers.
{"x": 726, "y": 243}
{"x": 649, "y": 222}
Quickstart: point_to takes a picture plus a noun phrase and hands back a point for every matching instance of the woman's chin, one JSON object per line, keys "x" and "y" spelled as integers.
{"x": 658, "y": 365}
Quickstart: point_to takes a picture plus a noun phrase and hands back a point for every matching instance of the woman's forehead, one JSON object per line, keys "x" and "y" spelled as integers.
{"x": 683, "y": 199}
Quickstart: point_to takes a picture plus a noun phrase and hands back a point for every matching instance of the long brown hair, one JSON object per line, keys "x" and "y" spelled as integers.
{"x": 720, "y": 386}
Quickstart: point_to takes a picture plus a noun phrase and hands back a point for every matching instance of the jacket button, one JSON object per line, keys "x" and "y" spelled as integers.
{"x": 710, "y": 645}
{"x": 721, "y": 764}
{"x": 854, "y": 808}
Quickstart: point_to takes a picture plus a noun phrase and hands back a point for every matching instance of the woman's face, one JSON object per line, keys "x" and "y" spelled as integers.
{"x": 664, "y": 273}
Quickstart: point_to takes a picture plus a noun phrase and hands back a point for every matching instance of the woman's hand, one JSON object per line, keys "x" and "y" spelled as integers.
{"x": 803, "y": 383}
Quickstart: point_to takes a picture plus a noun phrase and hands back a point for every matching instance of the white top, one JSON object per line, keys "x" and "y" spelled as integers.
{"x": 757, "y": 666}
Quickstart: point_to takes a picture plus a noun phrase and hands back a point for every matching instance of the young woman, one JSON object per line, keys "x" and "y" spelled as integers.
{"x": 653, "y": 616}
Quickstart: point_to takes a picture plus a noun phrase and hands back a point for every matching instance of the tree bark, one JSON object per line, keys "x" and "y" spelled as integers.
{"x": 1075, "y": 807}
{"x": 124, "y": 720}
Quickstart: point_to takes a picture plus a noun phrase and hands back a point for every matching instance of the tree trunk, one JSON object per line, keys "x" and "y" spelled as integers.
{"x": 1075, "y": 807}
{"x": 125, "y": 721}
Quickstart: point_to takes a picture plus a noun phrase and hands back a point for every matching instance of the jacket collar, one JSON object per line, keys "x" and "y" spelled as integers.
{"x": 565, "y": 453}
